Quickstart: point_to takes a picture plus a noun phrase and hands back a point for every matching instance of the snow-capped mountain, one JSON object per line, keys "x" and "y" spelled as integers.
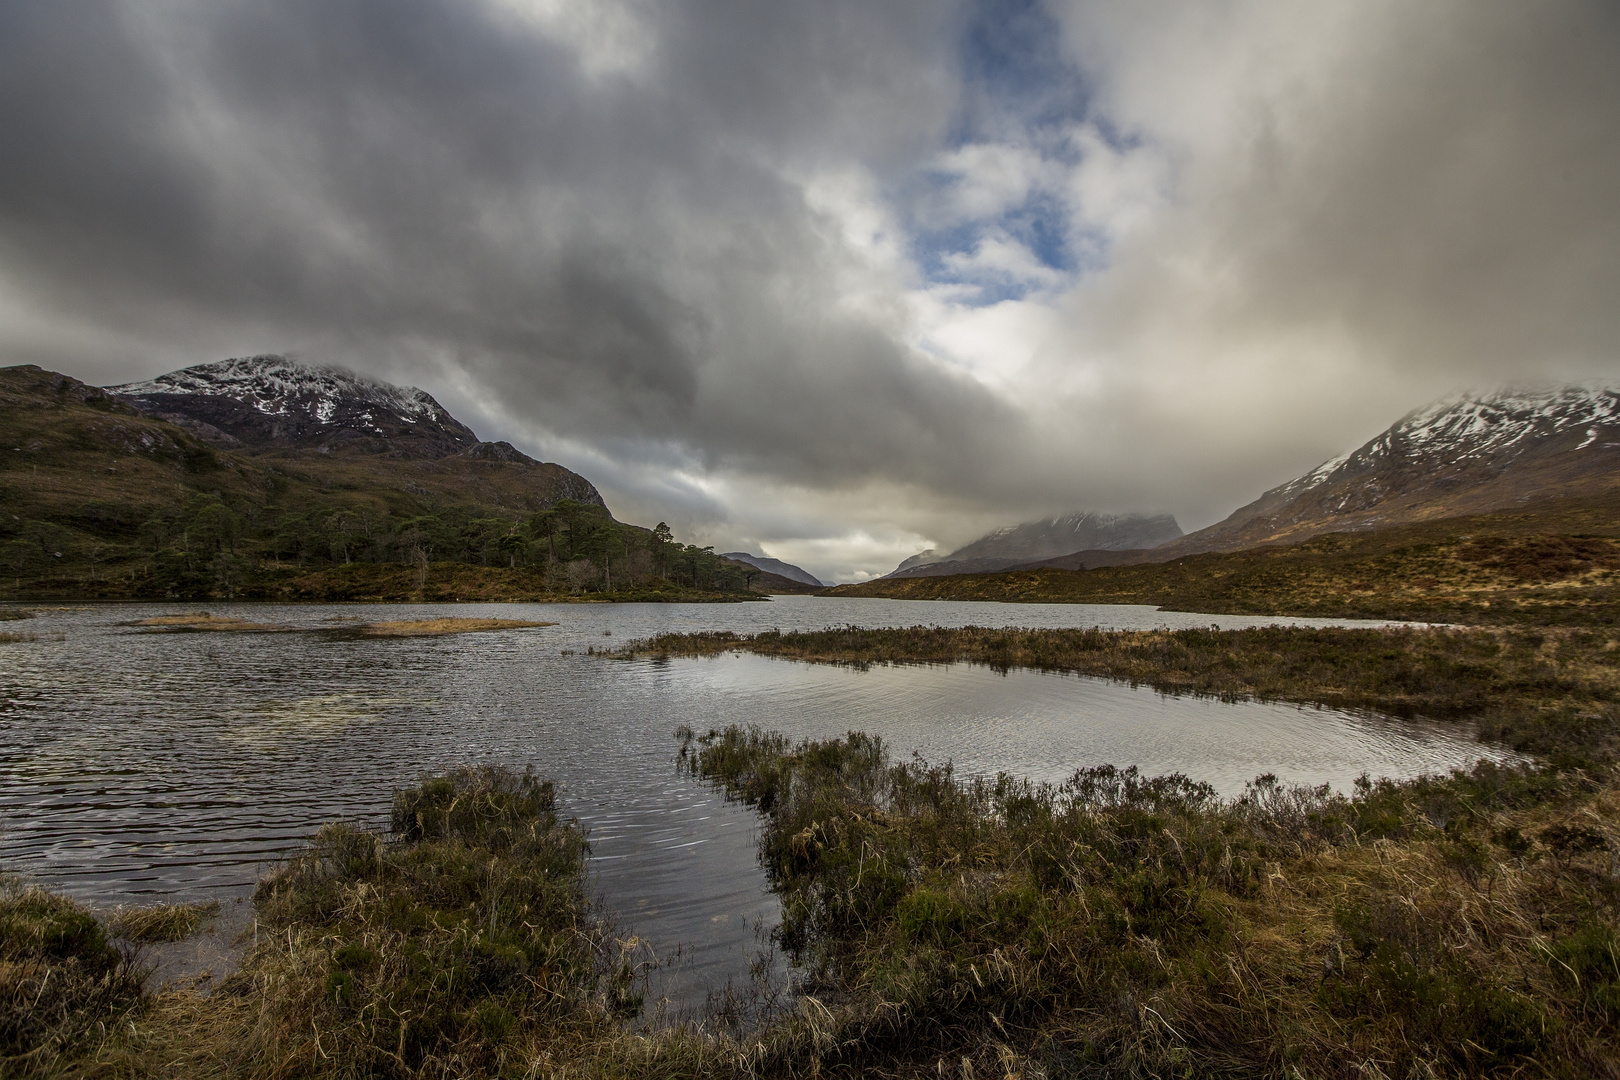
{"x": 1048, "y": 538}
{"x": 277, "y": 386}
{"x": 259, "y": 400}
{"x": 397, "y": 435}
{"x": 1471, "y": 453}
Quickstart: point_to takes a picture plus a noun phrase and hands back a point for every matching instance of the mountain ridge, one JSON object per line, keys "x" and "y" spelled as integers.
{"x": 1032, "y": 541}
{"x": 775, "y": 566}
{"x": 1466, "y": 453}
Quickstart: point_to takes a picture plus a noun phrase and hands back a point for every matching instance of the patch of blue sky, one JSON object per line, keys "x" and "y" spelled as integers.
{"x": 1019, "y": 92}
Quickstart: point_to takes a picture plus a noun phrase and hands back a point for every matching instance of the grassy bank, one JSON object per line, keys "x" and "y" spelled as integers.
{"x": 1113, "y": 926}
{"x": 1551, "y": 692}
{"x": 1559, "y": 565}
{"x": 461, "y": 945}
{"x": 1121, "y": 926}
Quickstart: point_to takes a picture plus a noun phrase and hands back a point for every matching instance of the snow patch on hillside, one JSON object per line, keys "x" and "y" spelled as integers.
{"x": 1474, "y": 426}
{"x": 277, "y": 386}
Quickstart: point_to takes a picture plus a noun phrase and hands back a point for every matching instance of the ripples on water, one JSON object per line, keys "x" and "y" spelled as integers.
{"x": 136, "y": 765}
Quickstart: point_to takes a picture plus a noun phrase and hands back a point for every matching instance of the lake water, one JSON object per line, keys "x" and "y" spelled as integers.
{"x": 136, "y": 766}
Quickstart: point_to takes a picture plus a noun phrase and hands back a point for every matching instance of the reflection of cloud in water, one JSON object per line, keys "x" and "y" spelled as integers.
{"x": 316, "y": 717}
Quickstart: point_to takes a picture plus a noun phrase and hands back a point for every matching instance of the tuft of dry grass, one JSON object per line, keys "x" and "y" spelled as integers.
{"x": 161, "y": 922}
{"x": 62, "y": 986}
{"x": 440, "y": 627}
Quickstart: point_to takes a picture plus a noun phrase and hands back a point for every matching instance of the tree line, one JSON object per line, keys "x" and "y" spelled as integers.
{"x": 208, "y": 545}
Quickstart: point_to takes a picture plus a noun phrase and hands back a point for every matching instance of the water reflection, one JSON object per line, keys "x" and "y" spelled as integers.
{"x": 135, "y": 764}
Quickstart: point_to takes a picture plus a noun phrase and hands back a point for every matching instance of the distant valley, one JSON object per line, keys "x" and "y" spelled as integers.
{"x": 1481, "y": 508}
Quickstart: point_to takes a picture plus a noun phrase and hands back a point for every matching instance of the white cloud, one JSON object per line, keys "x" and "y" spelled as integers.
{"x": 610, "y": 37}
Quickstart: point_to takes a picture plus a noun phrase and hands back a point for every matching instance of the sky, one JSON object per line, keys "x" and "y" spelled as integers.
{"x": 833, "y": 281}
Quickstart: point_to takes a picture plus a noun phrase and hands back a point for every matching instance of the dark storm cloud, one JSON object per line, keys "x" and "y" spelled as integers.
{"x": 720, "y": 255}
{"x": 432, "y": 182}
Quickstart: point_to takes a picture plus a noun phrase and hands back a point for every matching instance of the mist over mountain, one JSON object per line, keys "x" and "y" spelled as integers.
{"x": 1032, "y": 541}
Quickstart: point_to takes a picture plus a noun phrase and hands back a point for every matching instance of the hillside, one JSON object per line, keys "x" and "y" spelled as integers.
{"x": 1557, "y": 562}
{"x": 1031, "y": 541}
{"x": 1466, "y": 455}
{"x": 777, "y": 568}
{"x": 310, "y": 473}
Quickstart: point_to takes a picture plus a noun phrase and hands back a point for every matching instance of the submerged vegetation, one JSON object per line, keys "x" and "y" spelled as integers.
{"x": 1113, "y": 925}
{"x": 441, "y": 627}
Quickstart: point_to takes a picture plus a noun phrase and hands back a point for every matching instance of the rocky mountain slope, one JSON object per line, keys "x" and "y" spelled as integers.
{"x": 1464, "y": 455}
{"x": 775, "y": 566}
{"x": 1033, "y": 541}
{"x": 259, "y": 400}
{"x": 272, "y": 406}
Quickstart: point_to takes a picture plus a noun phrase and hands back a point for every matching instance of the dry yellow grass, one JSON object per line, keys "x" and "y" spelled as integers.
{"x": 202, "y": 620}
{"x": 161, "y": 922}
{"x": 439, "y": 627}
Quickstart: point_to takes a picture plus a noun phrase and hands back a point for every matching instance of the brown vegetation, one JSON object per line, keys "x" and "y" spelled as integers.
{"x": 160, "y": 922}
{"x": 1558, "y": 564}
{"x": 440, "y": 627}
{"x": 1123, "y": 926}
{"x": 1549, "y": 692}
{"x": 202, "y": 621}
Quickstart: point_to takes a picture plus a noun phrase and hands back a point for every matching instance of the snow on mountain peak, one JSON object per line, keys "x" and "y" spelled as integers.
{"x": 1473, "y": 426}
{"x": 277, "y": 386}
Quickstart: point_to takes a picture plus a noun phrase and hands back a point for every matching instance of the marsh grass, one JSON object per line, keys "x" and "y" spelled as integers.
{"x": 1549, "y": 692}
{"x": 63, "y": 986}
{"x": 161, "y": 922}
{"x": 462, "y": 946}
{"x": 1118, "y": 925}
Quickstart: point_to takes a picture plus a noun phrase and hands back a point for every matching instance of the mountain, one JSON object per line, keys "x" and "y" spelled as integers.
{"x": 287, "y": 410}
{"x": 775, "y": 566}
{"x": 271, "y": 401}
{"x": 1033, "y": 541}
{"x": 1469, "y": 454}
{"x": 922, "y": 558}
{"x": 264, "y": 479}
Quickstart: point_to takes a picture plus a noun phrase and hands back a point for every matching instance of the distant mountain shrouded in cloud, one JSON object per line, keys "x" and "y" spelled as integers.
{"x": 1033, "y": 541}
{"x": 836, "y": 279}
